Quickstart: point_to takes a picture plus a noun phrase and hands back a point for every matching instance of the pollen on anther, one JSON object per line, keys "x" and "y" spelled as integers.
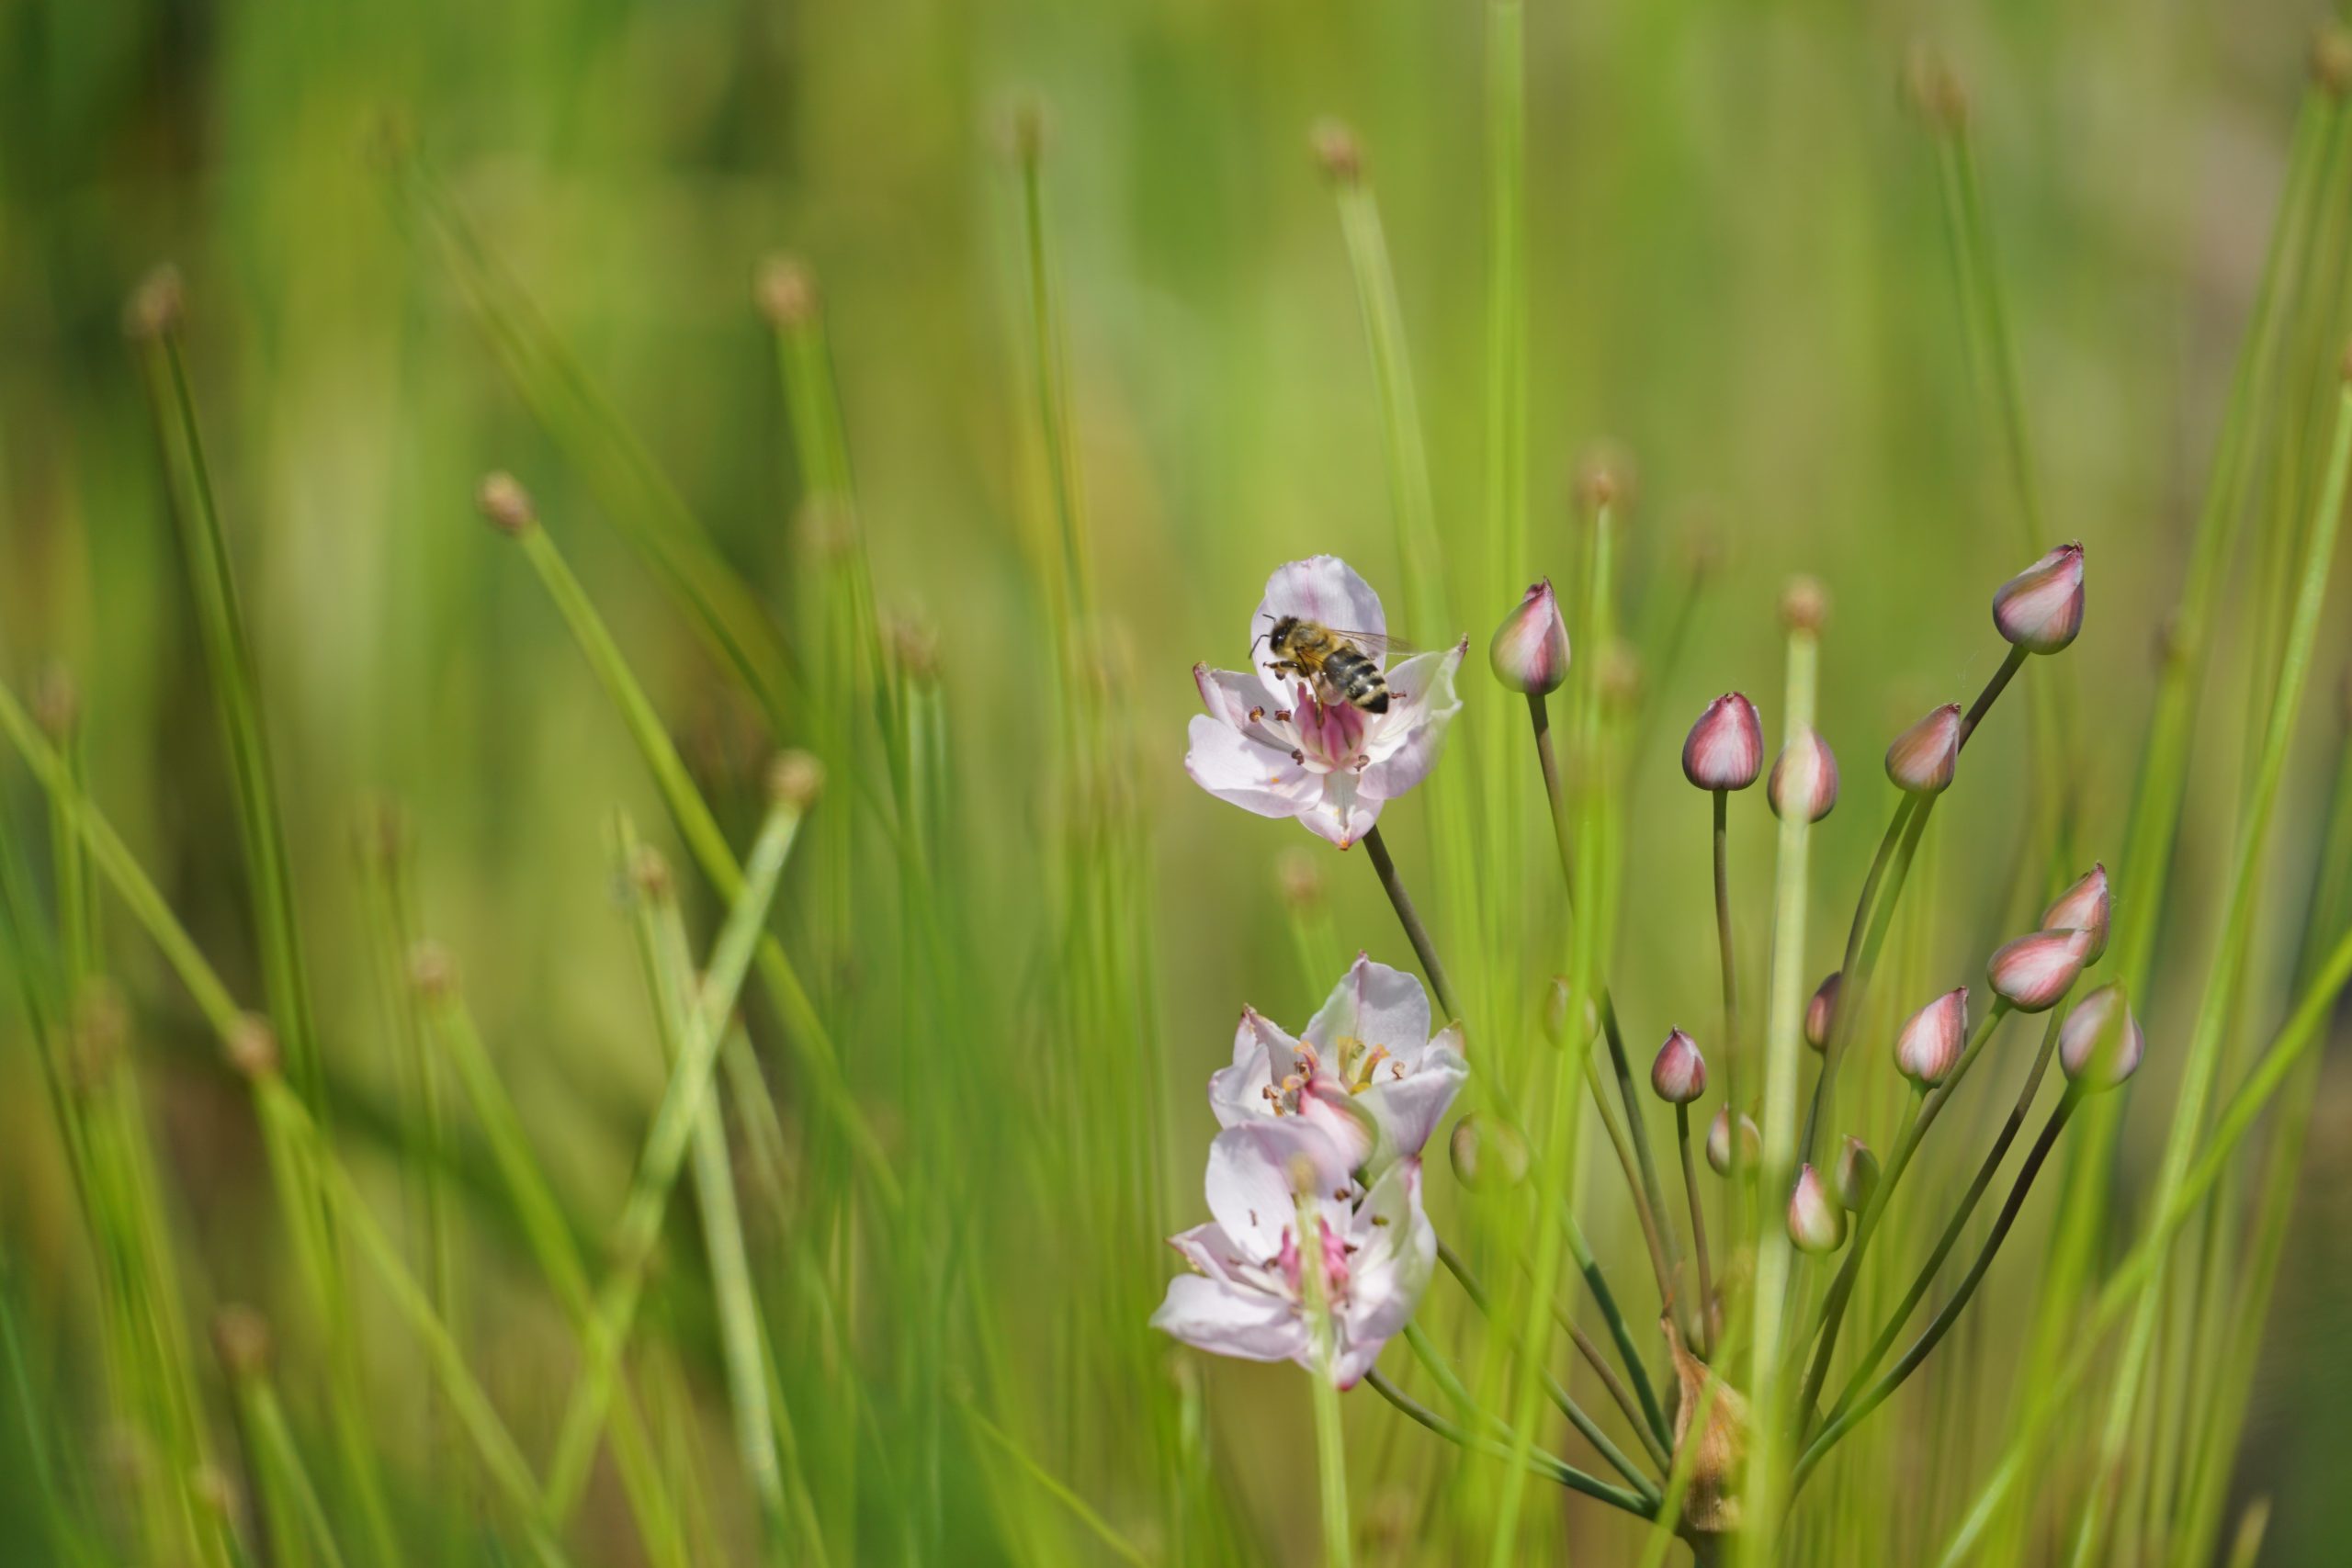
{"x": 1256, "y": 714}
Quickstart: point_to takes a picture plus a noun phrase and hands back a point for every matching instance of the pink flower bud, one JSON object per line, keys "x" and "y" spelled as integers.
{"x": 2040, "y": 608}
{"x": 2032, "y": 973}
{"x": 1725, "y": 749}
{"x": 2100, "y": 1043}
{"x": 1922, "y": 759}
{"x": 2084, "y": 907}
{"x": 1679, "y": 1073}
{"x": 1530, "y": 652}
{"x": 1751, "y": 1144}
{"x": 1855, "y": 1176}
{"x": 1821, "y": 1013}
{"x": 1804, "y": 777}
{"x": 1932, "y": 1039}
{"x": 1816, "y": 1221}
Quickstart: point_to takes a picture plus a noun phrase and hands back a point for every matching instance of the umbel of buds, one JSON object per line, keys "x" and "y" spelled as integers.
{"x": 1923, "y": 757}
{"x": 1726, "y": 748}
{"x": 1932, "y": 1039}
{"x": 1855, "y": 1176}
{"x": 1530, "y": 652}
{"x": 1804, "y": 778}
{"x": 2100, "y": 1043}
{"x": 1821, "y": 1012}
{"x": 2084, "y": 907}
{"x": 2033, "y": 972}
{"x": 2040, "y": 609}
{"x": 1719, "y": 1135}
{"x": 1679, "y": 1073}
{"x": 1816, "y": 1221}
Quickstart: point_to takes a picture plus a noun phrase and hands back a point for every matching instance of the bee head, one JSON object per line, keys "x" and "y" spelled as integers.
{"x": 1277, "y": 636}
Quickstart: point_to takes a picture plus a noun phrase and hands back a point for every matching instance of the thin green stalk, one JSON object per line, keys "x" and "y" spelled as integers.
{"x": 1538, "y": 1463}
{"x": 1953, "y": 1229}
{"x": 1079, "y": 1509}
{"x": 1785, "y": 1042}
{"x": 1598, "y": 1283}
{"x": 1410, "y": 918}
{"x": 1506, "y": 287}
{"x": 638, "y": 1230}
{"x": 1943, "y": 1320}
{"x": 704, "y": 839}
{"x": 1331, "y": 1443}
{"x": 1707, "y": 1305}
{"x": 552, "y": 1243}
{"x": 300, "y": 1523}
{"x": 1919, "y": 1117}
{"x": 2229, "y": 965}
{"x": 662, "y": 935}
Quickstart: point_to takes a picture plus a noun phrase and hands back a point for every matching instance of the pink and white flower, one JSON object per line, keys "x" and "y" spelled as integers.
{"x": 1368, "y": 1075}
{"x": 1271, "y": 742}
{"x": 1281, "y": 1204}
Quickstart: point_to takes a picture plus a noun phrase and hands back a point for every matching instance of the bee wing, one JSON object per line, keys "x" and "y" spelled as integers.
{"x": 1380, "y": 645}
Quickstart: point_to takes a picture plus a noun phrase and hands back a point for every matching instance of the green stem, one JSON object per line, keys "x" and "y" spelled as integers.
{"x": 1537, "y": 1462}
{"x": 1407, "y": 916}
{"x": 1707, "y": 1304}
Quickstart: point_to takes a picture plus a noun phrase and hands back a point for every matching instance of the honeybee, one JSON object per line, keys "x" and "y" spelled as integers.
{"x": 1344, "y": 663}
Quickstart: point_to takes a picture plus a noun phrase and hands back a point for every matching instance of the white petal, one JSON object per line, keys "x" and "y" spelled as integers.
{"x": 1393, "y": 1263}
{"x": 1375, "y": 1004}
{"x": 1409, "y": 1108}
{"x": 1320, "y": 588}
{"x": 1343, "y": 815}
{"x": 1405, "y": 741}
{"x": 1208, "y": 1249}
{"x": 1233, "y": 697}
{"x": 1238, "y": 770}
{"x": 1231, "y": 1320}
{"x": 1262, "y": 1055}
{"x": 1248, "y": 1181}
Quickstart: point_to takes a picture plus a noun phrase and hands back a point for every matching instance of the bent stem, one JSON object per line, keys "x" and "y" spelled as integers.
{"x": 1943, "y": 1320}
{"x": 1407, "y": 916}
{"x": 1539, "y": 1462}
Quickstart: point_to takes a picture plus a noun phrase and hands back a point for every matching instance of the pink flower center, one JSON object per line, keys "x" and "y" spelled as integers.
{"x": 1330, "y": 737}
{"x": 1335, "y": 1262}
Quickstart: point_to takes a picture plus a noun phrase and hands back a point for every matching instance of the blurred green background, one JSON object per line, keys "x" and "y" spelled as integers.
{"x": 1739, "y": 288}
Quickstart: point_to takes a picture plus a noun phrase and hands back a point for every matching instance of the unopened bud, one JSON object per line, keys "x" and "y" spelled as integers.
{"x": 505, "y": 503}
{"x": 1923, "y": 757}
{"x": 240, "y": 1338}
{"x": 1821, "y": 1012}
{"x": 2332, "y": 61}
{"x": 1804, "y": 604}
{"x": 2040, "y": 609}
{"x": 1555, "y": 1012}
{"x": 1489, "y": 1153}
{"x": 1529, "y": 651}
{"x": 1816, "y": 1221}
{"x": 2084, "y": 907}
{"x": 1725, "y": 749}
{"x": 1855, "y": 1176}
{"x": 252, "y": 1047}
{"x": 1931, "y": 1040}
{"x": 1603, "y": 478}
{"x": 784, "y": 292}
{"x": 1300, "y": 876}
{"x": 1338, "y": 152}
{"x": 2100, "y": 1043}
{"x": 2033, "y": 973}
{"x": 432, "y": 970}
{"x": 1678, "y": 1073}
{"x": 1934, "y": 91}
{"x": 795, "y": 779}
{"x": 1804, "y": 778}
{"x": 156, "y": 307}
{"x": 649, "y": 872}
{"x": 1719, "y": 1136}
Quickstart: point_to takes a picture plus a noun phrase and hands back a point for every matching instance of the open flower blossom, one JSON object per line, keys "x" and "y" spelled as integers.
{"x": 1923, "y": 757}
{"x": 2084, "y": 907}
{"x": 1248, "y": 1293}
{"x": 1282, "y": 745}
{"x": 1367, "y": 1074}
{"x": 2040, "y": 609}
{"x": 2033, "y": 972}
{"x": 1726, "y": 748}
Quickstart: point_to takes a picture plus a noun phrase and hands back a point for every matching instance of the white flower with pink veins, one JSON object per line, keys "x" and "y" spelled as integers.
{"x": 1280, "y": 745}
{"x": 1367, "y": 1074}
{"x": 1248, "y": 1293}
